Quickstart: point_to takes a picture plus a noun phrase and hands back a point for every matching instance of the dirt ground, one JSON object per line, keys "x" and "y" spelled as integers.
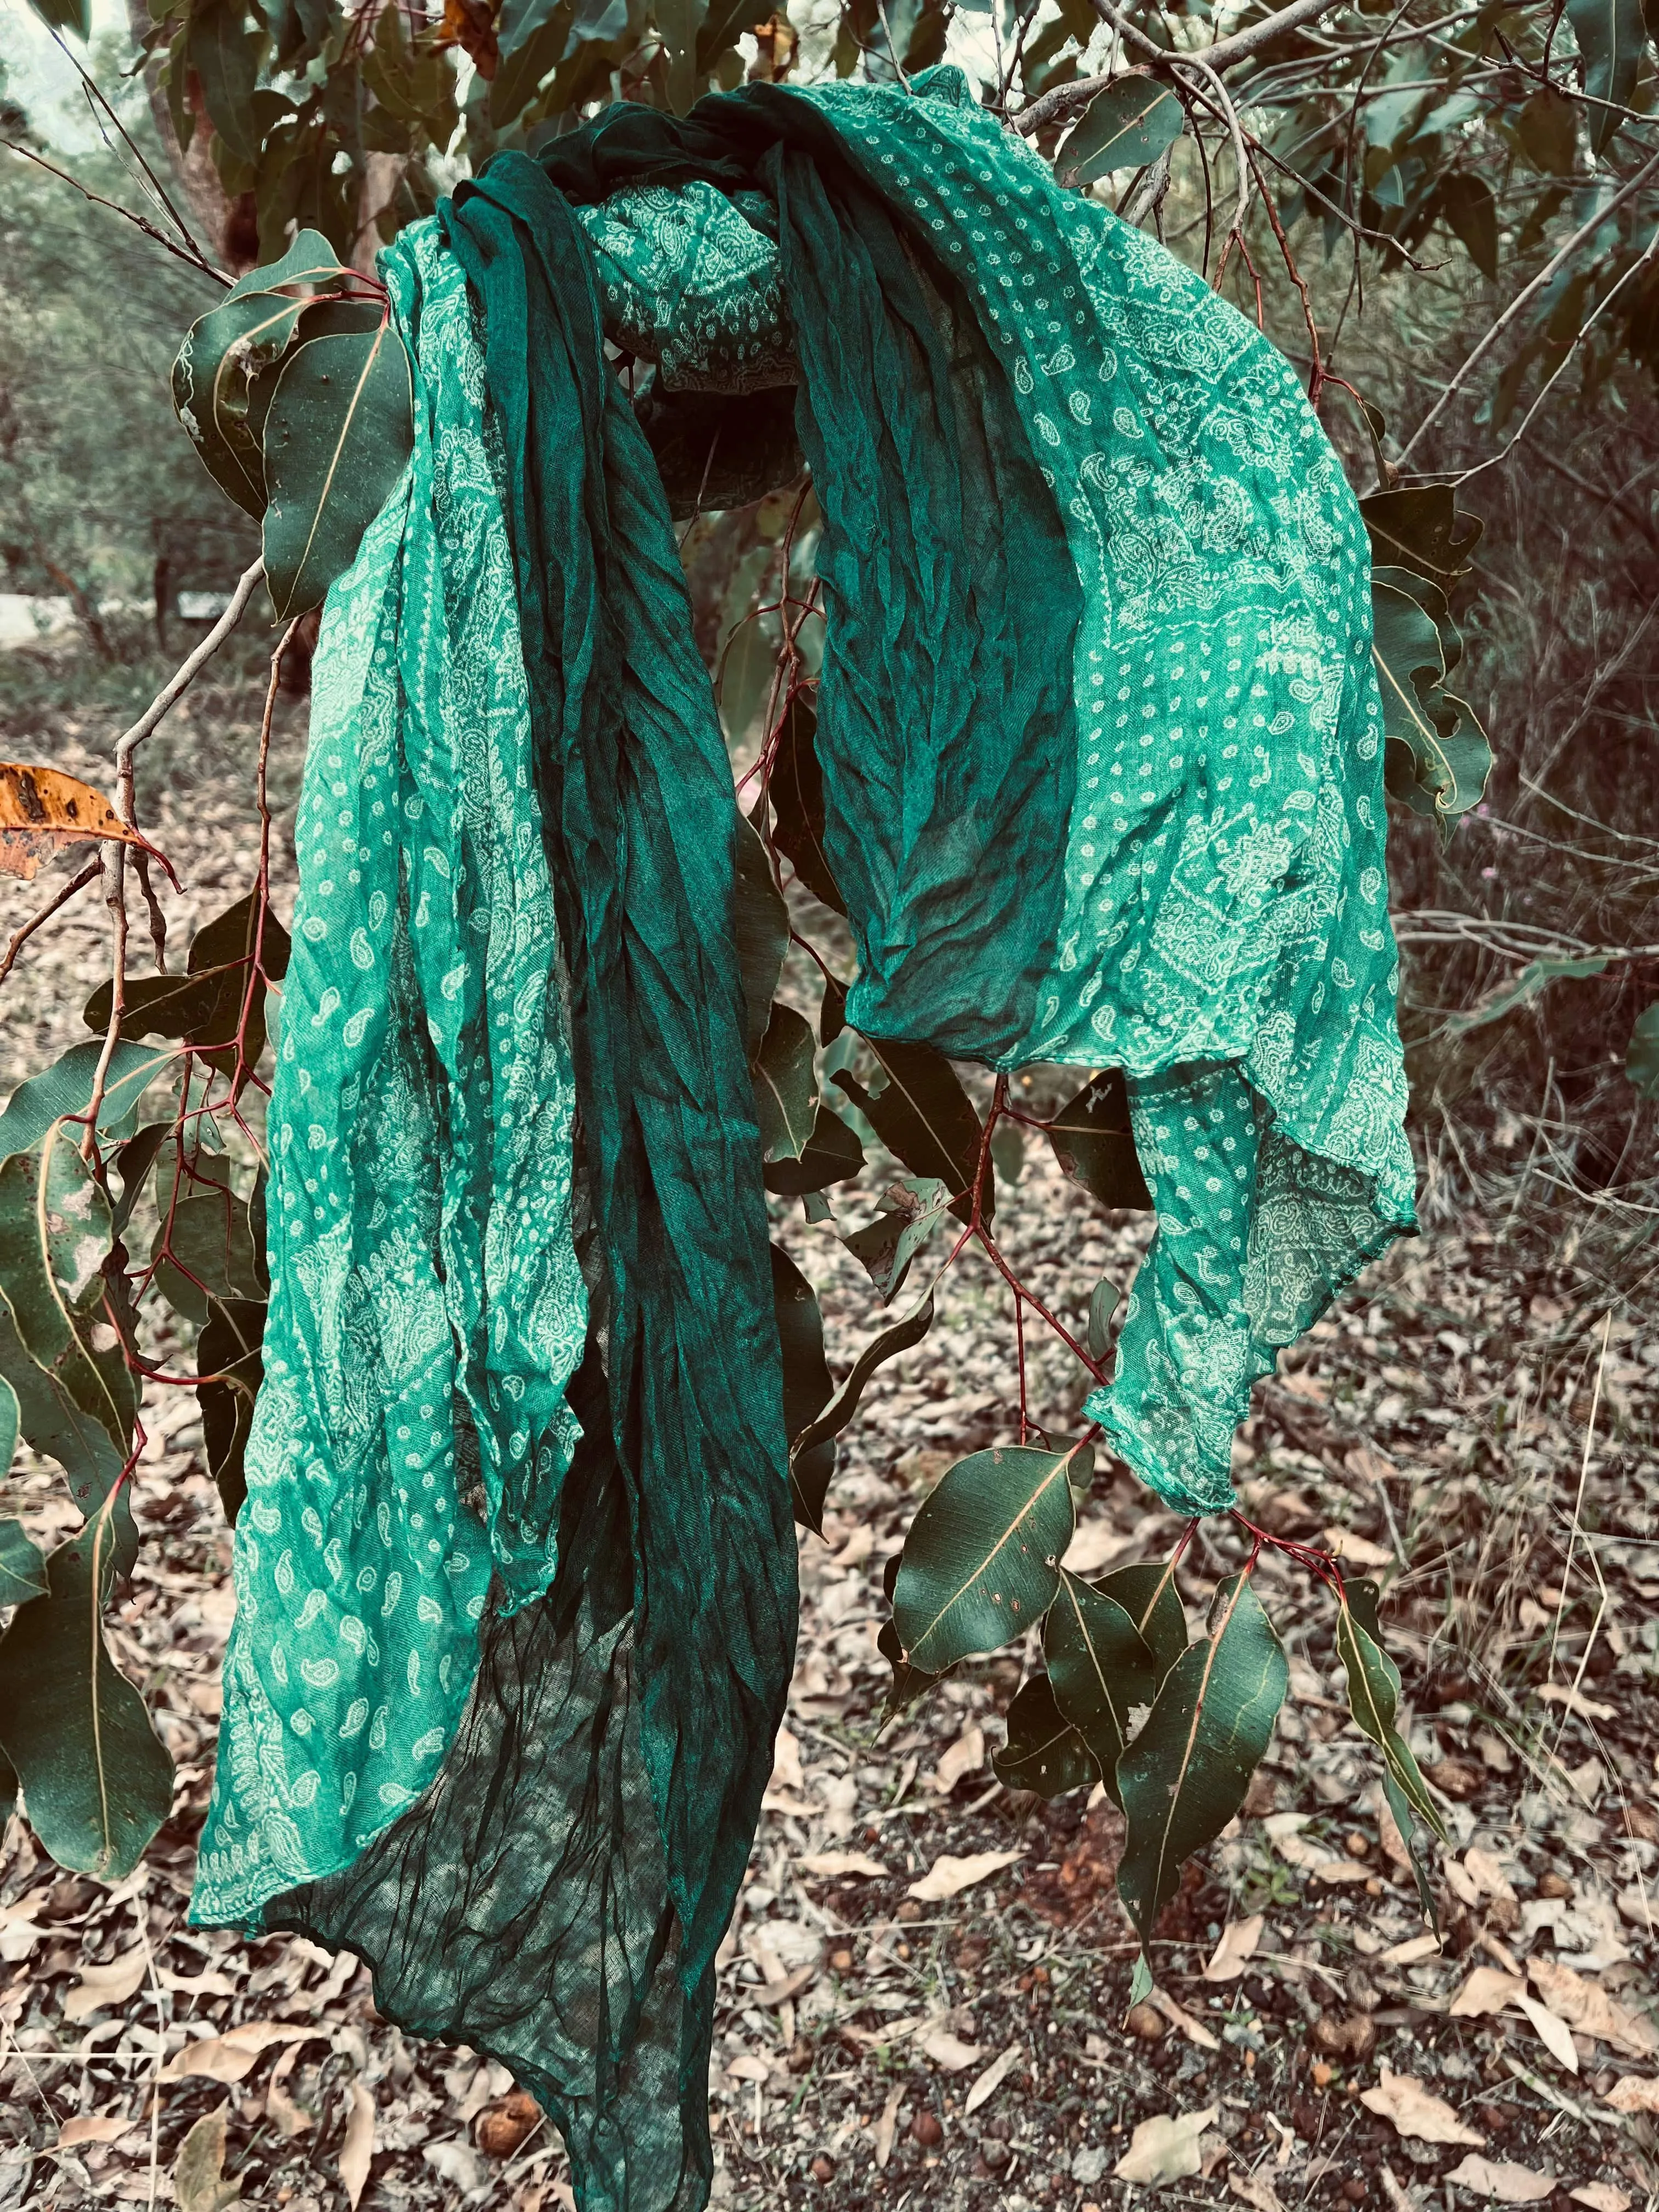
{"x": 1476, "y": 1425}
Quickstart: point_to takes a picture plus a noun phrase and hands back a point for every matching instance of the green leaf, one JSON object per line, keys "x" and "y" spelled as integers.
{"x": 1008, "y": 1152}
{"x": 1185, "y": 1775}
{"x": 308, "y": 260}
{"x": 203, "y": 1250}
{"x": 909, "y": 1212}
{"x": 54, "y": 1237}
{"x": 133, "y": 1161}
{"x": 213, "y": 378}
{"x": 1467, "y": 207}
{"x": 1611, "y": 37}
{"x": 1103, "y": 1301}
{"x": 1142, "y": 1983}
{"x": 807, "y": 1388}
{"x": 981, "y": 1561}
{"x": 1422, "y": 529}
{"x": 1100, "y": 1667}
{"x": 1147, "y": 1591}
{"x": 833, "y": 1154}
{"x": 1642, "y": 1053}
{"x": 228, "y": 1349}
{"x": 761, "y": 921}
{"x": 747, "y": 668}
{"x": 1095, "y": 1146}
{"x": 198, "y": 2171}
{"x": 56, "y": 1425}
{"x": 1547, "y": 127}
{"x": 899, "y": 1336}
{"x": 337, "y": 435}
{"x": 1410, "y": 1834}
{"x": 1124, "y": 127}
{"x": 1373, "y": 1681}
{"x": 1437, "y": 758}
{"x": 22, "y": 1570}
{"x": 724, "y": 24}
{"x": 786, "y": 1088}
{"x": 795, "y": 787}
{"x": 65, "y": 16}
{"x": 10, "y": 1422}
{"x": 909, "y": 1683}
{"x": 97, "y": 1782}
{"x": 65, "y": 1089}
{"x": 224, "y": 52}
{"x": 1520, "y": 989}
{"x": 832, "y": 1016}
{"x": 1044, "y": 1753}
{"x": 927, "y": 1120}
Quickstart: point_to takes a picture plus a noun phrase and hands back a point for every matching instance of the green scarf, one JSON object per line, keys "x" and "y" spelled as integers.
{"x": 1102, "y": 752}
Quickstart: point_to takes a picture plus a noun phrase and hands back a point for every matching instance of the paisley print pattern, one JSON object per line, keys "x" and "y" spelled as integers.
{"x": 427, "y": 1309}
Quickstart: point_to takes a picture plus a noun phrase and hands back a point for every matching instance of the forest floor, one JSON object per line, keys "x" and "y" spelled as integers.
{"x": 923, "y": 2000}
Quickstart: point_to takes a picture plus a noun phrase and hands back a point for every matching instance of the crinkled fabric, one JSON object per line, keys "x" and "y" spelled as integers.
{"x": 1102, "y": 752}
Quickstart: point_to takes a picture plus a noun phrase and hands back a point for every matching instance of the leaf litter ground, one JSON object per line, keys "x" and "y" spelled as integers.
{"x": 925, "y": 1997}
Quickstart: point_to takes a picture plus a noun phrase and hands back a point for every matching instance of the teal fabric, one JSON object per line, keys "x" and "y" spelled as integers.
{"x": 1101, "y": 749}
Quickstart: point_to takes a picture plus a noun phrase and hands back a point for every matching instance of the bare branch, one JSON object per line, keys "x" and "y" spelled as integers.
{"x": 1528, "y": 293}
{"x": 60, "y": 897}
{"x": 178, "y": 683}
{"x": 1220, "y": 56}
{"x": 141, "y": 223}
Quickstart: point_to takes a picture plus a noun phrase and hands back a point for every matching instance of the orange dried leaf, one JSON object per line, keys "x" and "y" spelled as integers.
{"x": 41, "y": 808}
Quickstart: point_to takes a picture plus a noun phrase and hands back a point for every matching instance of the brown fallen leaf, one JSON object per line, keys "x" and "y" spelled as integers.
{"x": 1635, "y": 2092}
{"x": 948, "y": 1877}
{"x": 1165, "y": 2147}
{"x": 233, "y": 2055}
{"x": 1415, "y": 2112}
{"x": 965, "y": 1756}
{"x": 1554, "y": 2032}
{"x": 198, "y": 2179}
{"x": 111, "y": 1985}
{"x": 1454, "y": 1777}
{"x": 357, "y": 2145}
{"x": 746, "y": 2067}
{"x": 1600, "y": 2196}
{"x": 782, "y": 1993}
{"x": 41, "y": 811}
{"x": 949, "y": 2051}
{"x": 991, "y": 2079}
{"x": 1257, "y": 2188}
{"x": 1488, "y": 1989}
{"x": 1237, "y": 1946}
{"x": 1189, "y": 2025}
{"x": 1353, "y": 2038}
{"x": 88, "y": 2128}
{"x": 1505, "y": 2181}
{"x": 288, "y": 2119}
{"x": 827, "y": 1864}
{"x": 887, "y": 2127}
{"x": 1585, "y": 2006}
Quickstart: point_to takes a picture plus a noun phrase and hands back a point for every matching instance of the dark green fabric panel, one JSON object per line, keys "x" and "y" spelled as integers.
{"x": 639, "y": 819}
{"x": 945, "y": 721}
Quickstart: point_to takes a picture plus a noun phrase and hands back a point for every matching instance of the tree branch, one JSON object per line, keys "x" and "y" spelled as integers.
{"x": 1220, "y": 56}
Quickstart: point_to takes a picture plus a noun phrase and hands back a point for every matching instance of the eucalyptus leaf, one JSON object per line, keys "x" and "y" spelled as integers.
{"x": 898, "y": 1336}
{"x": 222, "y": 354}
{"x": 1422, "y": 529}
{"x": 1124, "y": 127}
{"x": 927, "y": 1120}
{"x": 1373, "y": 1682}
{"x": 762, "y": 923}
{"x": 1437, "y": 758}
{"x": 795, "y": 787}
{"x": 55, "y": 1423}
{"x": 807, "y": 1387}
{"x": 54, "y": 1237}
{"x": 1147, "y": 1591}
{"x": 833, "y": 1154}
{"x": 981, "y": 1564}
{"x": 228, "y": 1351}
{"x": 65, "y": 16}
{"x": 22, "y": 1570}
{"x": 1467, "y": 207}
{"x": 1100, "y": 1667}
{"x": 1521, "y": 989}
{"x": 1044, "y": 1753}
{"x": 786, "y": 1087}
{"x": 203, "y": 1250}
{"x": 1185, "y": 1774}
{"x": 97, "y": 1782}
{"x": 1103, "y": 1301}
{"x": 65, "y": 1089}
{"x": 909, "y": 1213}
{"x": 1095, "y": 1145}
{"x": 337, "y": 434}
{"x": 1612, "y": 37}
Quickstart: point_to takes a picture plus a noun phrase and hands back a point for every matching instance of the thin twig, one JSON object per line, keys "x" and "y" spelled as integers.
{"x": 60, "y": 897}
{"x": 177, "y": 684}
{"x": 141, "y": 223}
{"x": 1525, "y": 296}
